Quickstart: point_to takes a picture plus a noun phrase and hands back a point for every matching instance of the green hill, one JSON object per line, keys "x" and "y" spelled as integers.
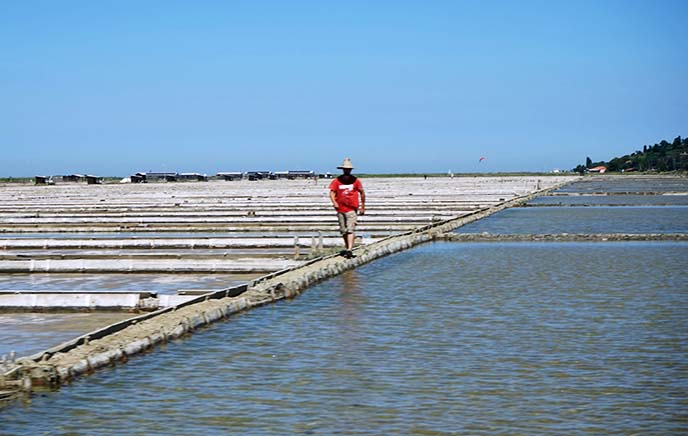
{"x": 664, "y": 156}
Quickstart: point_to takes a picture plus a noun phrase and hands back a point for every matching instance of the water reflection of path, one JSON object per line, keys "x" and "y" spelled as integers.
{"x": 352, "y": 302}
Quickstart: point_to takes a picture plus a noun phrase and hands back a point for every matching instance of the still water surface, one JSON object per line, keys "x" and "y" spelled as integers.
{"x": 512, "y": 338}
{"x": 613, "y": 200}
{"x": 28, "y": 333}
{"x": 31, "y": 333}
{"x": 601, "y": 219}
{"x": 628, "y": 184}
{"x": 158, "y": 283}
{"x": 176, "y": 235}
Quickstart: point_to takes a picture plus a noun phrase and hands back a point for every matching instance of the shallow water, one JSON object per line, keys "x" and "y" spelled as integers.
{"x": 164, "y": 252}
{"x": 164, "y": 235}
{"x": 628, "y": 184}
{"x": 160, "y": 283}
{"x": 28, "y": 333}
{"x": 601, "y": 200}
{"x": 548, "y": 220}
{"x": 529, "y": 338}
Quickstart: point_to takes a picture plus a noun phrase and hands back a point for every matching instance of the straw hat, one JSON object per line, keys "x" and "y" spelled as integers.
{"x": 346, "y": 164}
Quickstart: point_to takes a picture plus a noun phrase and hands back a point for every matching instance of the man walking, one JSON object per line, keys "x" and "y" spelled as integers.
{"x": 344, "y": 192}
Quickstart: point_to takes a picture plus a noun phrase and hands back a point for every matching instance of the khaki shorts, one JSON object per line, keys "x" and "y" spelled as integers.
{"x": 347, "y": 222}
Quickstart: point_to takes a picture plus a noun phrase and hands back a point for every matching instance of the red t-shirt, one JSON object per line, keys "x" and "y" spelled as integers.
{"x": 346, "y": 195}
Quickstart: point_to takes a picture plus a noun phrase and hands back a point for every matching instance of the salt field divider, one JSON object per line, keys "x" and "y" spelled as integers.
{"x": 122, "y": 340}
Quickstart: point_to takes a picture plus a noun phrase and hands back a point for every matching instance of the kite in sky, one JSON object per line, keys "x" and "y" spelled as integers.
{"x": 482, "y": 158}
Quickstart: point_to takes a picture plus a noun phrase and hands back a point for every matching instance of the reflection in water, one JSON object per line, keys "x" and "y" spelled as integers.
{"x": 350, "y": 295}
{"x": 351, "y": 305}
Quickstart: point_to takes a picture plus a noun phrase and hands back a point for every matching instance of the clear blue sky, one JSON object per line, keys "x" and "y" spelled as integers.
{"x": 115, "y": 87}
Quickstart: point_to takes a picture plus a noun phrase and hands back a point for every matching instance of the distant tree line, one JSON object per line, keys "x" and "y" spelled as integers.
{"x": 664, "y": 156}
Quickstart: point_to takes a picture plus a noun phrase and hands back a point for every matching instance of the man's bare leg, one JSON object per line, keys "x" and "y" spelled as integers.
{"x": 349, "y": 241}
{"x": 348, "y": 245}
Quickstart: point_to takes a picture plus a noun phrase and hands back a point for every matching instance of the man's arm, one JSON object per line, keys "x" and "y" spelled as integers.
{"x": 333, "y": 199}
{"x": 361, "y": 210}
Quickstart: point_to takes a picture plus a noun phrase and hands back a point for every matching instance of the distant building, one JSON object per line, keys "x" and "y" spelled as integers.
{"x": 230, "y": 175}
{"x": 300, "y": 174}
{"x": 154, "y": 177}
{"x": 93, "y": 180}
{"x": 193, "y": 177}
{"x": 73, "y": 178}
{"x": 294, "y": 174}
{"x": 258, "y": 175}
{"x": 137, "y": 178}
{"x": 44, "y": 180}
{"x": 600, "y": 169}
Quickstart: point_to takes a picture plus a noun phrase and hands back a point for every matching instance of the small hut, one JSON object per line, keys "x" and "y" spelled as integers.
{"x": 138, "y": 178}
{"x": 197, "y": 177}
{"x": 300, "y": 174}
{"x": 230, "y": 175}
{"x": 258, "y": 175}
{"x": 600, "y": 169}
{"x": 159, "y": 177}
{"x": 73, "y": 178}
{"x": 93, "y": 180}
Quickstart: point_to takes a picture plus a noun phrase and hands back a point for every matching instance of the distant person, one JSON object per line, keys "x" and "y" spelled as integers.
{"x": 344, "y": 193}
